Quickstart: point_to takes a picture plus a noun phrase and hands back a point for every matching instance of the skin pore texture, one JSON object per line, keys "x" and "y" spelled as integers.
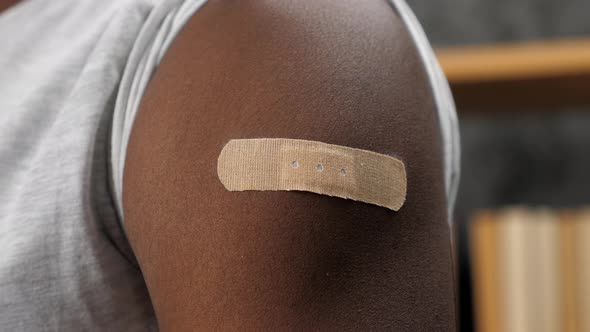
{"x": 340, "y": 72}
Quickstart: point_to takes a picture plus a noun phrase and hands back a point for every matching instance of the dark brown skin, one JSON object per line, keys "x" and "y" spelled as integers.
{"x": 341, "y": 72}
{"x": 6, "y": 4}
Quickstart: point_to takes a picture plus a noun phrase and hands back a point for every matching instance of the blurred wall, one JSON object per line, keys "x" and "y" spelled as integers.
{"x": 458, "y": 22}
{"x": 537, "y": 157}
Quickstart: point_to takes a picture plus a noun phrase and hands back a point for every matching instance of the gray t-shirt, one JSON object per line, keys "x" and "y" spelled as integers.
{"x": 72, "y": 73}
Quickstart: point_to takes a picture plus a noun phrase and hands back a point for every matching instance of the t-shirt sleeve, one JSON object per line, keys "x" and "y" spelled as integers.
{"x": 164, "y": 22}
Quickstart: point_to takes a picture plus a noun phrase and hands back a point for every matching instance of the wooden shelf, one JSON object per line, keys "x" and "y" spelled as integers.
{"x": 528, "y": 75}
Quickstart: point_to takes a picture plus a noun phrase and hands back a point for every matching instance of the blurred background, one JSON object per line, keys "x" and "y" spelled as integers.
{"x": 520, "y": 74}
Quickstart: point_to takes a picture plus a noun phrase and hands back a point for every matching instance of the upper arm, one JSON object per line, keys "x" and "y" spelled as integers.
{"x": 345, "y": 73}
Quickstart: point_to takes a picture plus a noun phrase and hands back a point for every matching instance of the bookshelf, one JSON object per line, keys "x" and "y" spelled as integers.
{"x": 530, "y": 270}
{"x": 532, "y": 75}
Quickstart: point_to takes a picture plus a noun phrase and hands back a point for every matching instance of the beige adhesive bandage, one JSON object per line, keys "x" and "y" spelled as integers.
{"x": 333, "y": 170}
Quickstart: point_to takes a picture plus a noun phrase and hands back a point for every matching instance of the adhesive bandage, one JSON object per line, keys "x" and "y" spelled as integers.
{"x": 327, "y": 169}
